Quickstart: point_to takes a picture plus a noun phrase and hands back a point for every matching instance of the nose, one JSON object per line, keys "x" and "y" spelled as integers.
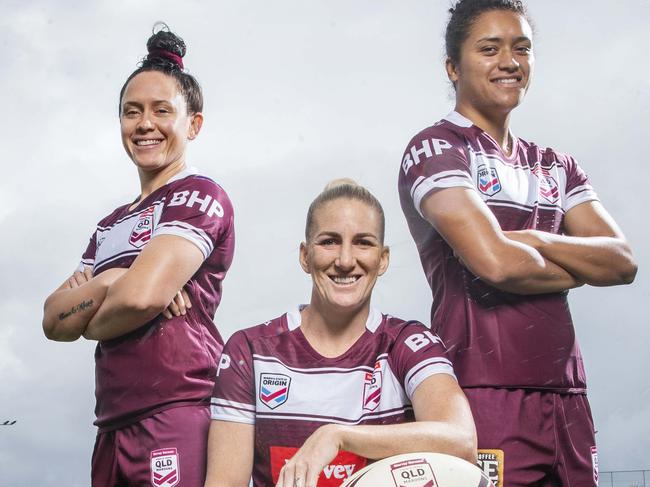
{"x": 345, "y": 260}
{"x": 508, "y": 61}
{"x": 145, "y": 123}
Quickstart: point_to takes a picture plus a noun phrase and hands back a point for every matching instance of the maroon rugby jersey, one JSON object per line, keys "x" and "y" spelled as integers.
{"x": 164, "y": 363}
{"x": 270, "y": 376}
{"x": 495, "y": 338}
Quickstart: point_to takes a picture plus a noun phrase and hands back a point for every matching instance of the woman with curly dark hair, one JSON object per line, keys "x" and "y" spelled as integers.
{"x": 148, "y": 286}
{"x": 504, "y": 229}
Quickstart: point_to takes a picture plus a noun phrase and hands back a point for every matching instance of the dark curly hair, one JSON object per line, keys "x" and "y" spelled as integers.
{"x": 347, "y": 189}
{"x": 463, "y": 15}
{"x": 166, "y": 51}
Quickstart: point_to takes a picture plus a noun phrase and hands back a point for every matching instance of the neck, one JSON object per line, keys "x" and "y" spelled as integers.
{"x": 331, "y": 332}
{"x": 497, "y": 125}
{"x": 150, "y": 181}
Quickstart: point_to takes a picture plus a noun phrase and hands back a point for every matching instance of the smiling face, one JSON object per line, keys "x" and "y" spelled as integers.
{"x": 344, "y": 254}
{"x": 154, "y": 122}
{"x": 495, "y": 66}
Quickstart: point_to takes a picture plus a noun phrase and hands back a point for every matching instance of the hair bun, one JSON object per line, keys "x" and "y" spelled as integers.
{"x": 335, "y": 183}
{"x": 165, "y": 48}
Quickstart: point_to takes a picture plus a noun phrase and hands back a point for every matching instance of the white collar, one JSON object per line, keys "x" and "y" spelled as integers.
{"x": 372, "y": 323}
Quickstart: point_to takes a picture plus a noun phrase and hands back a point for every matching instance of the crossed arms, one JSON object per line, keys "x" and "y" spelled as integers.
{"x": 592, "y": 251}
{"x": 118, "y": 301}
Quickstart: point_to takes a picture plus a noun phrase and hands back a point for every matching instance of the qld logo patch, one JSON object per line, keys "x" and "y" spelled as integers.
{"x": 488, "y": 180}
{"x": 491, "y": 462}
{"x": 372, "y": 388}
{"x": 594, "y": 463}
{"x": 142, "y": 229}
{"x": 165, "y": 471}
{"x": 274, "y": 389}
{"x": 413, "y": 473}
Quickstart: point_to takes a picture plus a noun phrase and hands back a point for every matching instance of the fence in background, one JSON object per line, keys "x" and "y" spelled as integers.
{"x": 624, "y": 478}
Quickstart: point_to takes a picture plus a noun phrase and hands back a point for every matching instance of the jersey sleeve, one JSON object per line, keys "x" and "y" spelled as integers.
{"x": 434, "y": 159}
{"x": 198, "y": 210}
{"x": 88, "y": 257}
{"x": 416, "y": 355}
{"x": 233, "y": 397}
{"x": 578, "y": 190}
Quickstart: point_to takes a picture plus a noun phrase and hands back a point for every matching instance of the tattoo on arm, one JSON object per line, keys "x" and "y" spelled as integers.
{"x": 76, "y": 308}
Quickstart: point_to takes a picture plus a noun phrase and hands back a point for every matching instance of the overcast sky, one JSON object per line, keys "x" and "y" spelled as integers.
{"x": 296, "y": 93}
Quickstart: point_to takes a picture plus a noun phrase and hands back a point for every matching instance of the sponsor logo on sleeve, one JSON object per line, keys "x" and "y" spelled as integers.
{"x": 339, "y": 469}
{"x": 372, "y": 388}
{"x": 417, "y": 341}
{"x": 594, "y": 463}
{"x": 274, "y": 389}
{"x": 491, "y": 462}
{"x": 205, "y": 203}
{"x": 413, "y": 473}
{"x": 142, "y": 229}
{"x": 165, "y": 471}
{"x": 488, "y": 180}
{"x": 422, "y": 151}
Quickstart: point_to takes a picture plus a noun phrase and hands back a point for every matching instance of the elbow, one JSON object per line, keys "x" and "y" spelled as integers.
{"x": 57, "y": 332}
{"x": 466, "y": 447}
{"x": 628, "y": 272}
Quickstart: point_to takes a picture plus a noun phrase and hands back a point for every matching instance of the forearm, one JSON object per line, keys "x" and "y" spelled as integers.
{"x": 596, "y": 260}
{"x": 381, "y": 441}
{"x": 121, "y": 312}
{"x": 520, "y": 269}
{"x": 66, "y": 312}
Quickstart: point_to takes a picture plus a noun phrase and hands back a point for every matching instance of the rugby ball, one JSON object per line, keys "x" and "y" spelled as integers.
{"x": 423, "y": 469}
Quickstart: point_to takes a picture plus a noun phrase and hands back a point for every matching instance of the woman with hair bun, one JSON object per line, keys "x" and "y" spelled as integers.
{"x": 148, "y": 286}
{"x": 504, "y": 229}
{"x": 307, "y": 398}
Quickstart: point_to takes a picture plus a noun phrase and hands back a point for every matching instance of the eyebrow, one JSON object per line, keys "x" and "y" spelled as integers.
{"x": 328, "y": 233}
{"x": 500, "y": 39}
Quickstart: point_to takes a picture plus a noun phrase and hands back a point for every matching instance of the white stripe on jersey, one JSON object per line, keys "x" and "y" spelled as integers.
{"x": 317, "y": 370}
{"x": 318, "y": 394}
{"x": 181, "y": 229}
{"x": 445, "y": 179}
{"x": 232, "y": 411}
{"x": 425, "y": 369}
{"x": 578, "y": 195}
{"x": 329, "y": 419}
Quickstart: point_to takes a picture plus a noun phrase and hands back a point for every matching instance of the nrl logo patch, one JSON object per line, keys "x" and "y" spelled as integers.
{"x": 274, "y": 389}
{"x": 164, "y": 468}
{"x": 142, "y": 229}
{"x": 413, "y": 473}
{"x": 488, "y": 180}
{"x": 372, "y": 388}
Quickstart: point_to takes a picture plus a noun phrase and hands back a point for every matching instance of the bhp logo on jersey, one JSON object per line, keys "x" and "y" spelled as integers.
{"x": 274, "y": 389}
{"x": 206, "y": 204}
{"x": 488, "y": 180}
{"x": 372, "y": 388}
{"x": 413, "y": 473}
{"x": 142, "y": 229}
{"x": 164, "y": 468}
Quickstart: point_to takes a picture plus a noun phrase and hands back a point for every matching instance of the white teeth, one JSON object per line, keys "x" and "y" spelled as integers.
{"x": 507, "y": 80}
{"x": 344, "y": 279}
{"x": 147, "y": 142}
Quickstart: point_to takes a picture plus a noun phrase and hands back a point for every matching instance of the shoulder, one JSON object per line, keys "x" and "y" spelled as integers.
{"x": 397, "y": 328}
{"x": 548, "y": 156}
{"x": 270, "y": 328}
{"x": 200, "y": 184}
{"x": 442, "y": 131}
